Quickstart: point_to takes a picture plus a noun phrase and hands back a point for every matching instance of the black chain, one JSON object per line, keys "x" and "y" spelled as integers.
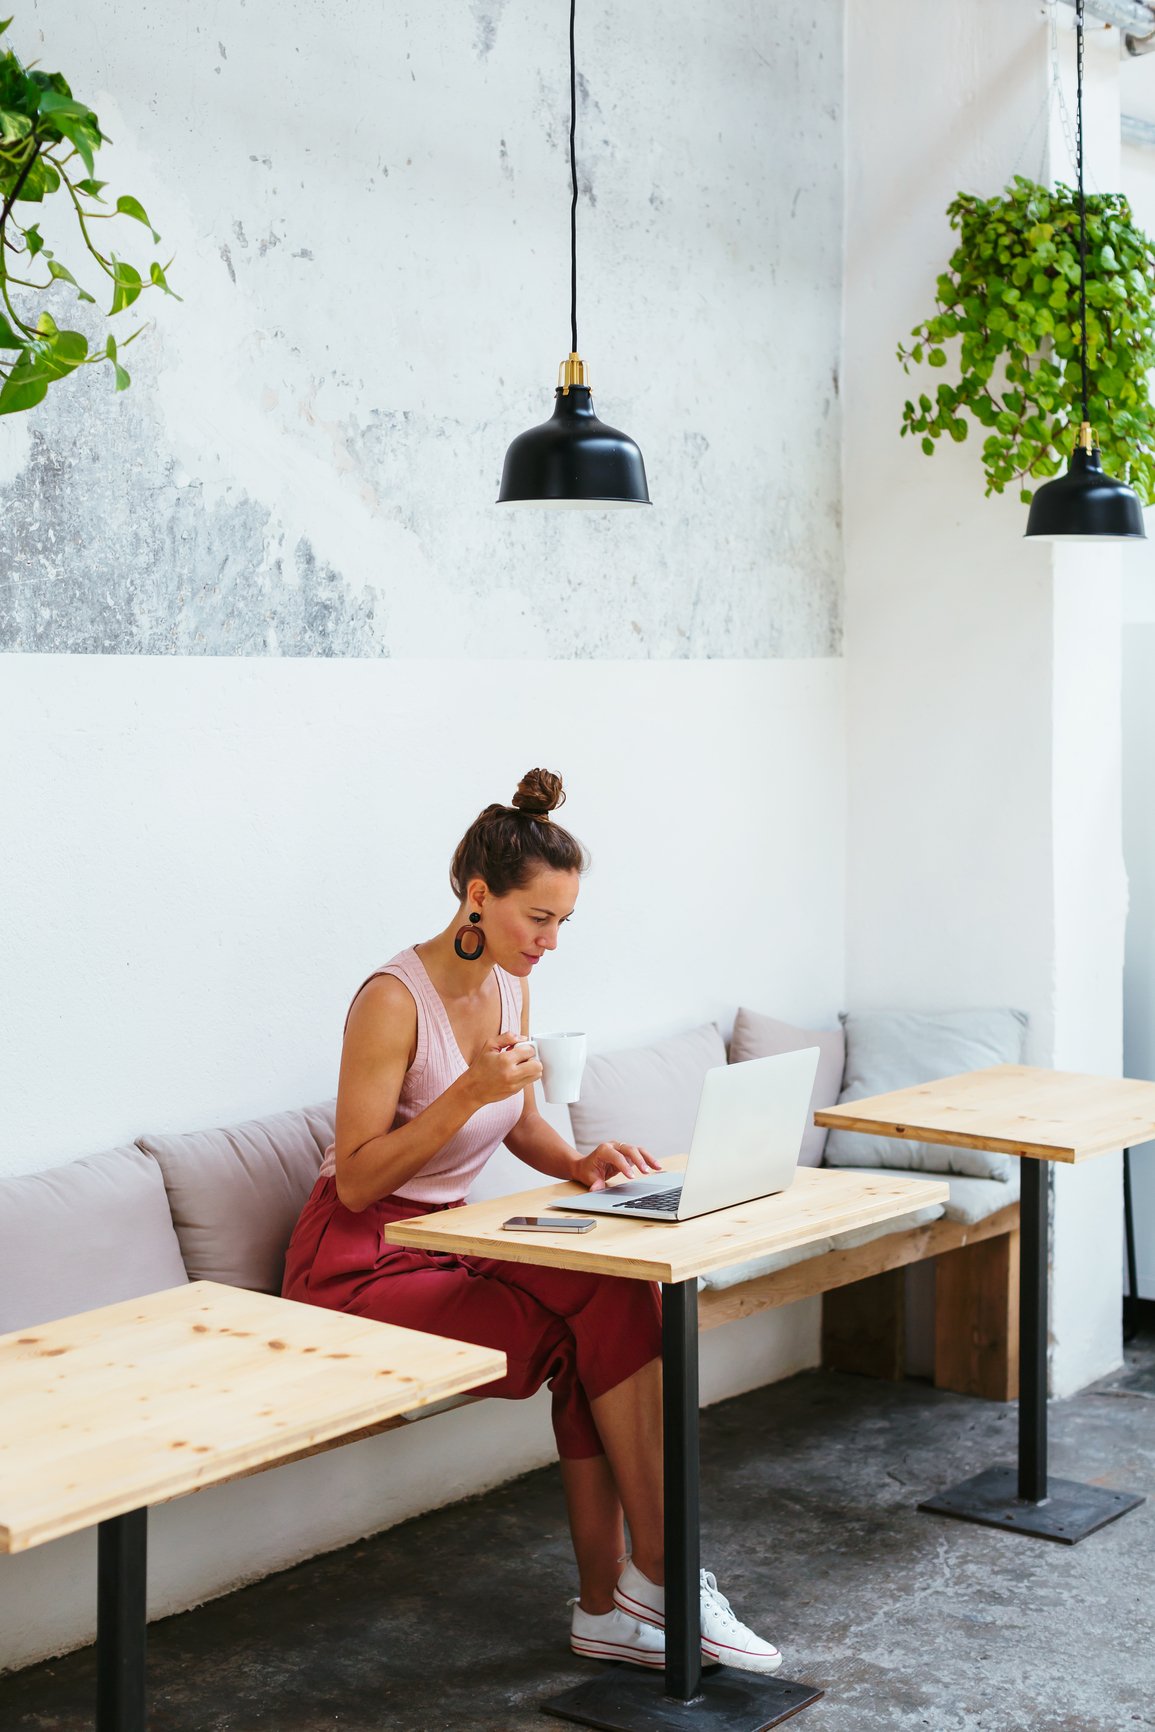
{"x": 573, "y": 182}
{"x": 1082, "y": 200}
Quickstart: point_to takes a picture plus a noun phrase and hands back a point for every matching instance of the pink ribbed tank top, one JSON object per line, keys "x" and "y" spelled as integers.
{"x": 437, "y": 1062}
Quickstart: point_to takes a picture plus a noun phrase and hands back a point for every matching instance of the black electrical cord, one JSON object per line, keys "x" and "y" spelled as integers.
{"x": 573, "y": 182}
{"x": 1082, "y": 199}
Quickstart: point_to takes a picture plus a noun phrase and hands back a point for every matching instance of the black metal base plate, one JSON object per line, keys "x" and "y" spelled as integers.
{"x": 1070, "y": 1513}
{"x": 627, "y": 1700}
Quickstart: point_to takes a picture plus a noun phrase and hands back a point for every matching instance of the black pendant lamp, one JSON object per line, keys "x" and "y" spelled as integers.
{"x": 1084, "y": 504}
{"x": 573, "y": 461}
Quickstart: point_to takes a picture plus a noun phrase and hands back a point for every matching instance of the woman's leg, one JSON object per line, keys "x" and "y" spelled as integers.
{"x": 629, "y": 1421}
{"x": 595, "y": 1523}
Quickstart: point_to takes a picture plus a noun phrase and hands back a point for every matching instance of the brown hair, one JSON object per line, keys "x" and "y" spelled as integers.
{"x": 506, "y": 844}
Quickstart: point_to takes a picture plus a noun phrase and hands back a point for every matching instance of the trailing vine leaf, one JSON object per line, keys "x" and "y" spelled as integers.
{"x": 128, "y": 206}
{"x": 1007, "y": 318}
{"x": 46, "y": 135}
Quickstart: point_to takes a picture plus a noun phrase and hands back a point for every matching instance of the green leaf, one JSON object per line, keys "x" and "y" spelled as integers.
{"x": 91, "y": 188}
{"x": 13, "y": 126}
{"x": 4, "y": 25}
{"x": 936, "y": 358}
{"x": 928, "y": 447}
{"x": 63, "y": 275}
{"x": 157, "y": 276}
{"x": 33, "y": 241}
{"x": 74, "y": 122}
{"x": 123, "y": 381}
{"x": 128, "y": 206}
{"x": 23, "y": 389}
{"x": 42, "y": 179}
{"x": 9, "y": 339}
{"x": 126, "y": 285}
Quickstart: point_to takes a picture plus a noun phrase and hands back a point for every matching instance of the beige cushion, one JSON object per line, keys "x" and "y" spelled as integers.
{"x": 894, "y": 1049}
{"x": 971, "y": 1200}
{"x": 758, "y": 1036}
{"x": 235, "y": 1193}
{"x": 848, "y": 1241}
{"x": 89, "y": 1233}
{"x": 648, "y": 1094}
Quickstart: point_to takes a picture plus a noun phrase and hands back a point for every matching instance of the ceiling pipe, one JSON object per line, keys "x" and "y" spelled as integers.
{"x": 1133, "y": 17}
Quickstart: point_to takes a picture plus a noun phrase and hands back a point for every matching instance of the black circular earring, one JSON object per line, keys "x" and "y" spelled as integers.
{"x": 469, "y": 931}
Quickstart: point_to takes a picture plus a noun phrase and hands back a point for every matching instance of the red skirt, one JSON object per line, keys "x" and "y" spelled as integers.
{"x": 581, "y": 1334}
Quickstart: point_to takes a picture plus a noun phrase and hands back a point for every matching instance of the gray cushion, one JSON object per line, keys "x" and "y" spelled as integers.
{"x": 758, "y": 1036}
{"x": 894, "y": 1049}
{"x": 88, "y": 1233}
{"x": 235, "y": 1193}
{"x": 848, "y": 1241}
{"x": 647, "y": 1095}
{"x": 972, "y": 1200}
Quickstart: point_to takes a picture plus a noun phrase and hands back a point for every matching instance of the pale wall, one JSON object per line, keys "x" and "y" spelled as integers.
{"x": 1138, "y": 182}
{"x": 982, "y": 672}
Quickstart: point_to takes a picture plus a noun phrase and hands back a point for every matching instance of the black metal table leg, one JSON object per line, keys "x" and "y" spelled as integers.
{"x": 1025, "y": 1500}
{"x": 626, "y": 1699}
{"x": 122, "y": 1557}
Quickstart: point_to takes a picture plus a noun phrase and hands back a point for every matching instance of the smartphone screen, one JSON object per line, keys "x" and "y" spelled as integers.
{"x": 548, "y": 1224}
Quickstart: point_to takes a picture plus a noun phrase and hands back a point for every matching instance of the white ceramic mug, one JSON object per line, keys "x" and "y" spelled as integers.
{"x": 562, "y": 1058}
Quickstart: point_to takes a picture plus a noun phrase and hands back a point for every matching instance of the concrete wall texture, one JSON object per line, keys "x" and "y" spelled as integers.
{"x": 371, "y": 230}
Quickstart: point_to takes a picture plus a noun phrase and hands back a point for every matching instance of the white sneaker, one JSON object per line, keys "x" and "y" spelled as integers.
{"x": 725, "y": 1638}
{"x": 616, "y": 1636}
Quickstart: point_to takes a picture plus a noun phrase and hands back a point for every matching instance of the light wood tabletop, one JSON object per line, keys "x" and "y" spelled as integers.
{"x": 139, "y": 1402}
{"x": 818, "y": 1203}
{"x": 1014, "y": 1109}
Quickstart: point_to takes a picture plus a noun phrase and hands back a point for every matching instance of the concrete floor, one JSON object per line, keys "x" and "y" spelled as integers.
{"x": 458, "y": 1619}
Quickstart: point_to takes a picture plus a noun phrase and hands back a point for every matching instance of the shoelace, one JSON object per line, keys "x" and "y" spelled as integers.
{"x": 709, "y": 1583}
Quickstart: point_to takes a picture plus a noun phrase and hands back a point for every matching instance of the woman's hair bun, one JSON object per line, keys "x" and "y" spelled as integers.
{"x": 538, "y": 793}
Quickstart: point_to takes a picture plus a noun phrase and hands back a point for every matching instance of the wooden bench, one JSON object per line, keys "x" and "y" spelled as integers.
{"x": 976, "y": 1333}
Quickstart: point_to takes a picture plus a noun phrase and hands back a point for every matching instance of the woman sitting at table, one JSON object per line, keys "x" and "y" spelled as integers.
{"x": 433, "y": 1079}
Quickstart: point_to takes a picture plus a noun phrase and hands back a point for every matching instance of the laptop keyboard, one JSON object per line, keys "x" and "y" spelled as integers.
{"x": 665, "y": 1201}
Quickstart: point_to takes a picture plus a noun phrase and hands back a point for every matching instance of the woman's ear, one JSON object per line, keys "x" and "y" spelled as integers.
{"x": 476, "y": 892}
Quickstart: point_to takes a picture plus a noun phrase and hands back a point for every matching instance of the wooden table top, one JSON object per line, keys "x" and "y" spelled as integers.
{"x": 1015, "y": 1109}
{"x": 818, "y": 1203}
{"x": 143, "y": 1401}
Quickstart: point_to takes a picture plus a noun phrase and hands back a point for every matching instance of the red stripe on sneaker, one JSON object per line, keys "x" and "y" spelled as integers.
{"x": 637, "y": 1609}
{"x": 594, "y": 1650}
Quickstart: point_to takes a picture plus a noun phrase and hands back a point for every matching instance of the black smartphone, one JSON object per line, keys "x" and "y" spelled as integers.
{"x": 548, "y": 1224}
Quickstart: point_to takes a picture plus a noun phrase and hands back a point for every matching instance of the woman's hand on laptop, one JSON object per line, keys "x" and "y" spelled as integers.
{"x": 610, "y": 1159}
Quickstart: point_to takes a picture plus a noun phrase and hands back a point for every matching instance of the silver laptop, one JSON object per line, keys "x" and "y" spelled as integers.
{"x": 749, "y": 1128}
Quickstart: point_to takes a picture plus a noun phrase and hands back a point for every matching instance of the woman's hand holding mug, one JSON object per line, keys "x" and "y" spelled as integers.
{"x": 505, "y": 1066}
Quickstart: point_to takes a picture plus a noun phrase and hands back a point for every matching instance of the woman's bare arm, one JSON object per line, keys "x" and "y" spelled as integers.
{"x": 380, "y": 1040}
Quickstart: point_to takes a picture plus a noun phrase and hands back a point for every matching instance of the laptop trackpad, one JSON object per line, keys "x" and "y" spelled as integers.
{"x": 660, "y": 1183}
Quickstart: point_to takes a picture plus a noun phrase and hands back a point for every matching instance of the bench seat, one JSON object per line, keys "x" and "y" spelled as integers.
{"x": 971, "y": 1201}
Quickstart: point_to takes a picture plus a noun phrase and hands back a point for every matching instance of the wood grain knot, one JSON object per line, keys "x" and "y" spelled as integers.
{"x": 277, "y": 1346}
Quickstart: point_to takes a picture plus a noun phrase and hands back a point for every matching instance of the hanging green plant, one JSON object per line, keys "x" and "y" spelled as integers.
{"x": 1010, "y": 295}
{"x": 46, "y": 138}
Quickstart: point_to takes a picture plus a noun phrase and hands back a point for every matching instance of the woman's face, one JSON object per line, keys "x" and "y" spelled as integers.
{"x": 521, "y": 927}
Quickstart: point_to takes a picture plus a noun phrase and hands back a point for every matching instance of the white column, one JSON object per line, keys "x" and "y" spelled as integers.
{"x": 983, "y": 672}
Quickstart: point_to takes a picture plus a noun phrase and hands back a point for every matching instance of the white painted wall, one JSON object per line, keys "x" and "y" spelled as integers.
{"x": 203, "y": 858}
{"x": 982, "y": 672}
{"x": 1138, "y": 182}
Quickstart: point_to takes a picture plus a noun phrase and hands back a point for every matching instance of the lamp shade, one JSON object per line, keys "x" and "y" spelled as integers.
{"x": 1085, "y": 505}
{"x": 573, "y": 461}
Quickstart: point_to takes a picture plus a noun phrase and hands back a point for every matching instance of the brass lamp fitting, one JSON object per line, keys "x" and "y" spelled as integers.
{"x": 1086, "y": 440}
{"x": 571, "y": 371}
